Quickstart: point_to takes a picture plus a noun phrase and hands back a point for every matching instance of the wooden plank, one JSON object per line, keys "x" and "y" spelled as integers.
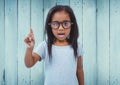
{"x": 77, "y": 8}
{"x": 103, "y": 42}
{"x": 24, "y": 76}
{"x": 48, "y": 4}
{"x": 11, "y": 42}
{"x": 62, "y": 2}
{"x": 37, "y": 74}
{"x": 114, "y": 42}
{"x": 2, "y": 44}
{"x": 89, "y": 41}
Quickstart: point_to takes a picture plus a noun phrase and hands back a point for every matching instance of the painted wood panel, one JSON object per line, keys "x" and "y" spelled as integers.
{"x": 99, "y": 29}
{"x": 11, "y": 42}
{"x": 24, "y": 77}
{"x": 103, "y": 44}
{"x": 37, "y": 72}
{"x": 2, "y": 44}
{"x": 47, "y": 5}
{"x": 77, "y": 6}
{"x": 114, "y": 42}
{"x": 89, "y": 41}
{"x": 62, "y": 2}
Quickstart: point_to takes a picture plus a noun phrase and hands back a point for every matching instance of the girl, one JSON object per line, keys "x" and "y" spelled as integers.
{"x": 61, "y": 52}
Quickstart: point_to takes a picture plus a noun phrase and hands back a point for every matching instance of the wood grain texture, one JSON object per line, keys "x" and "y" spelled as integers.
{"x": 89, "y": 41}
{"x": 48, "y": 4}
{"x": 2, "y": 43}
{"x": 24, "y": 77}
{"x": 77, "y": 6}
{"x": 37, "y": 72}
{"x": 11, "y": 42}
{"x": 62, "y": 2}
{"x": 103, "y": 42}
{"x": 114, "y": 42}
{"x": 99, "y": 29}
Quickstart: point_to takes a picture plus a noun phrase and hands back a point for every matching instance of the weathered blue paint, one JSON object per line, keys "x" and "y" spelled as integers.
{"x": 2, "y": 43}
{"x": 37, "y": 72}
{"x": 77, "y": 7}
{"x": 99, "y": 29}
{"x": 89, "y": 42}
{"x": 11, "y": 42}
{"x": 103, "y": 42}
{"x": 114, "y": 42}
{"x": 24, "y": 77}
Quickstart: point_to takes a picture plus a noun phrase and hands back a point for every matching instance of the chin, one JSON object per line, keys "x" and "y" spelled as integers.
{"x": 61, "y": 39}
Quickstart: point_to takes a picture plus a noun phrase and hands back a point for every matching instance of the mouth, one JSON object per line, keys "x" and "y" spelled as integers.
{"x": 61, "y": 34}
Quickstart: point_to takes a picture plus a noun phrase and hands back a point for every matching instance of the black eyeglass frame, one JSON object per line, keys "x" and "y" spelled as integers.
{"x": 60, "y": 23}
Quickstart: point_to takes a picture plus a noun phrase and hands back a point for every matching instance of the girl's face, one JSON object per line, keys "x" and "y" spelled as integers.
{"x": 61, "y": 25}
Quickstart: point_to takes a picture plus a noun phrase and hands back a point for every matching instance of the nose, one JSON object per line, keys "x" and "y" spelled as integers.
{"x": 60, "y": 27}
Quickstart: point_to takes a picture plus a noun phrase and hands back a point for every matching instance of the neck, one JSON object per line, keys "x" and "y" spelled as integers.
{"x": 61, "y": 42}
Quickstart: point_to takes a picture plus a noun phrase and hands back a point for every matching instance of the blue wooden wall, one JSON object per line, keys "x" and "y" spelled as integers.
{"x": 99, "y": 28}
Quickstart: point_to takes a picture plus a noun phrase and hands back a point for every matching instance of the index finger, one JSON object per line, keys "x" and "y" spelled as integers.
{"x": 31, "y": 31}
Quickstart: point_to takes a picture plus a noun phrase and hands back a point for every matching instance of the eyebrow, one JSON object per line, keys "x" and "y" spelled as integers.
{"x": 60, "y": 21}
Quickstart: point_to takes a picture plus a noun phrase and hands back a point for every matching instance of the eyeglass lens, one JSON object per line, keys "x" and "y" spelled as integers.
{"x": 65, "y": 24}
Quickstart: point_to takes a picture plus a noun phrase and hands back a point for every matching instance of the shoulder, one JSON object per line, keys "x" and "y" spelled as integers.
{"x": 41, "y": 46}
{"x": 41, "y": 49}
{"x": 43, "y": 43}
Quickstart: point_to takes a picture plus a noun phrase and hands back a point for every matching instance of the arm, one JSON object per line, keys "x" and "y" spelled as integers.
{"x": 30, "y": 59}
{"x": 80, "y": 73}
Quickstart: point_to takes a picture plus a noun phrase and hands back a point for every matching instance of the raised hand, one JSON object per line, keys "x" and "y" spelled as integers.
{"x": 29, "y": 40}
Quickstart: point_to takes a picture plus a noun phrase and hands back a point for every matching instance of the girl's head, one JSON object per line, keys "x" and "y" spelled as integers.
{"x": 61, "y": 25}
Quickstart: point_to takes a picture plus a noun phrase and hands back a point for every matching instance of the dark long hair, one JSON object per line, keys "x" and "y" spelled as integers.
{"x": 74, "y": 28}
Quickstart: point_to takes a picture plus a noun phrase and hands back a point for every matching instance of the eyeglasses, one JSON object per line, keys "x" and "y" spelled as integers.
{"x": 56, "y": 24}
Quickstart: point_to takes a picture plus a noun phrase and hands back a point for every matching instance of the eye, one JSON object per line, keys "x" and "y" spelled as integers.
{"x": 55, "y": 23}
{"x": 66, "y": 23}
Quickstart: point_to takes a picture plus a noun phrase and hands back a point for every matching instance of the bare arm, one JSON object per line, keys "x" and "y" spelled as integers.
{"x": 30, "y": 58}
{"x": 80, "y": 73}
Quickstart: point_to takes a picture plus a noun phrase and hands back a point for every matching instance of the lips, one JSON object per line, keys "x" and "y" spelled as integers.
{"x": 61, "y": 34}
